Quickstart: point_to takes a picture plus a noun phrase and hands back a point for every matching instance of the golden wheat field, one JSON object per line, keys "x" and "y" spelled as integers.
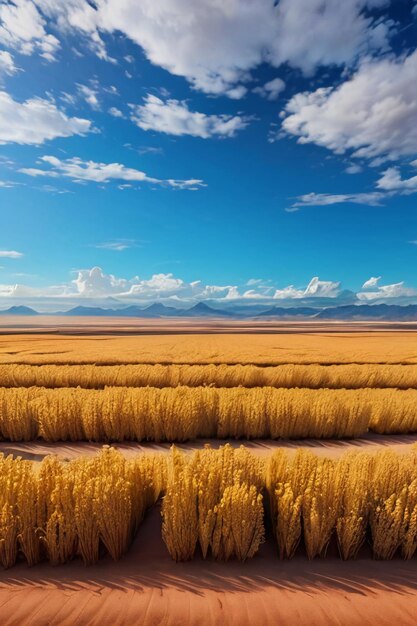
{"x": 184, "y": 413}
{"x": 347, "y": 376}
{"x": 238, "y": 527}
{"x": 213, "y": 500}
{"x": 252, "y": 345}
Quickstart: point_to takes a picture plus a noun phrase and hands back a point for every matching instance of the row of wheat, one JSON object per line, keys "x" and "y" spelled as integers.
{"x": 213, "y": 499}
{"x": 182, "y": 413}
{"x": 59, "y": 510}
{"x": 349, "y": 376}
{"x": 213, "y": 503}
{"x": 359, "y": 495}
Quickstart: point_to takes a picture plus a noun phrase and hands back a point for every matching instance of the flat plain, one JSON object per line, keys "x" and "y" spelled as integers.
{"x": 365, "y": 364}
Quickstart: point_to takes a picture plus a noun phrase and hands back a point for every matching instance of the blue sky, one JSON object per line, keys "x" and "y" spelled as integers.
{"x": 237, "y": 151}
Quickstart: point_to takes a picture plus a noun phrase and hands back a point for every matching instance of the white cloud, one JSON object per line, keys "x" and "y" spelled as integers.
{"x": 315, "y": 288}
{"x": 271, "y": 90}
{"x": 95, "y": 283}
{"x": 327, "y": 32}
{"x": 22, "y": 27}
{"x": 90, "y": 95}
{"x": 236, "y": 93}
{"x": 7, "y": 184}
{"x": 115, "y": 112}
{"x": 90, "y": 171}
{"x": 10, "y": 254}
{"x": 373, "y": 114}
{"x": 118, "y": 245}
{"x": 175, "y": 118}
{"x": 353, "y": 168}
{"x": 91, "y": 286}
{"x": 7, "y": 65}
{"x": 35, "y": 121}
{"x": 391, "y": 181}
{"x": 215, "y": 45}
{"x": 371, "y": 282}
{"x": 211, "y": 44}
{"x": 372, "y": 198}
{"x": 326, "y": 288}
{"x": 395, "y": 290}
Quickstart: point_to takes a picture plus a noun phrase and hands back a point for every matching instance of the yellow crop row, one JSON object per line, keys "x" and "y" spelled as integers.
{"x": 349, "y": 376}
{"x": 182, "y": 413}
{"x": 58, "y": 510}
{"x": 214, "y": 499}
{"x": 213, "y": 502}
{"x": 313, "y": 499}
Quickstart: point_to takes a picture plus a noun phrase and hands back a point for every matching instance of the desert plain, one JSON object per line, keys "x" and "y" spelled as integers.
{"x": 146, "y": 586}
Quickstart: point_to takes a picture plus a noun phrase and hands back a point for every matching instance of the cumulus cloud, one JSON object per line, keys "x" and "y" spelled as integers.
{"x": 391, "y": 180}
{"x": 175, "y": 118}
{"x": 315, "y": 288}
{"x": 215, "y": 45}
{"x": 353, "y": 168}
{"x": 96, "y": 283}
{"x": 373, "y": 114}
{"x": 371, "y": 282}
{"x": 22, "y": 27}
{"x": 7, "y": 65}
{"x": 93, "y": 285}
{"x": 36, "y": 120}
{"x": 372, "y": 198}
{"x": 395, "y": 290}
{"x": 115, "y": 112}
{"x": 90, "y": 171}
{"x": 10, "y": 254}
{"x": 89, "y": 93}
{"x": 271, "y": 90}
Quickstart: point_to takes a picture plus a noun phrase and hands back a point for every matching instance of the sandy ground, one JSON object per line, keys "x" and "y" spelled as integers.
{"x": 234, "y": 344}
{"x": 37, "y": 450}
{"x": 143, "y": 325}
{"x": 147, "y": 588}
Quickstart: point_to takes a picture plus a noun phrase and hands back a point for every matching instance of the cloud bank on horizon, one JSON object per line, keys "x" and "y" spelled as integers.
{"x": 95, "y": 286}
{"x": 242, "y": 138}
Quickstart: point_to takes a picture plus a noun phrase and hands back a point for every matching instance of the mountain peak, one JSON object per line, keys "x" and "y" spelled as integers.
{"x": 19, "y": 310}
{"x": 201, "y": 309}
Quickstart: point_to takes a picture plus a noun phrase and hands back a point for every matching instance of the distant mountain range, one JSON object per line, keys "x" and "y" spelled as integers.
{"x": 383, "y": 312}
{"x": 292, "y": 312}
{"x": 346, "y": 312}
{"x": 154, "y": 310}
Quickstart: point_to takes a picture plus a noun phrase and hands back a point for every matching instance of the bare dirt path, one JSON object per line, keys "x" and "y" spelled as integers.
{"x": 146, "y": 587}
{"x": 37, "y": 450}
